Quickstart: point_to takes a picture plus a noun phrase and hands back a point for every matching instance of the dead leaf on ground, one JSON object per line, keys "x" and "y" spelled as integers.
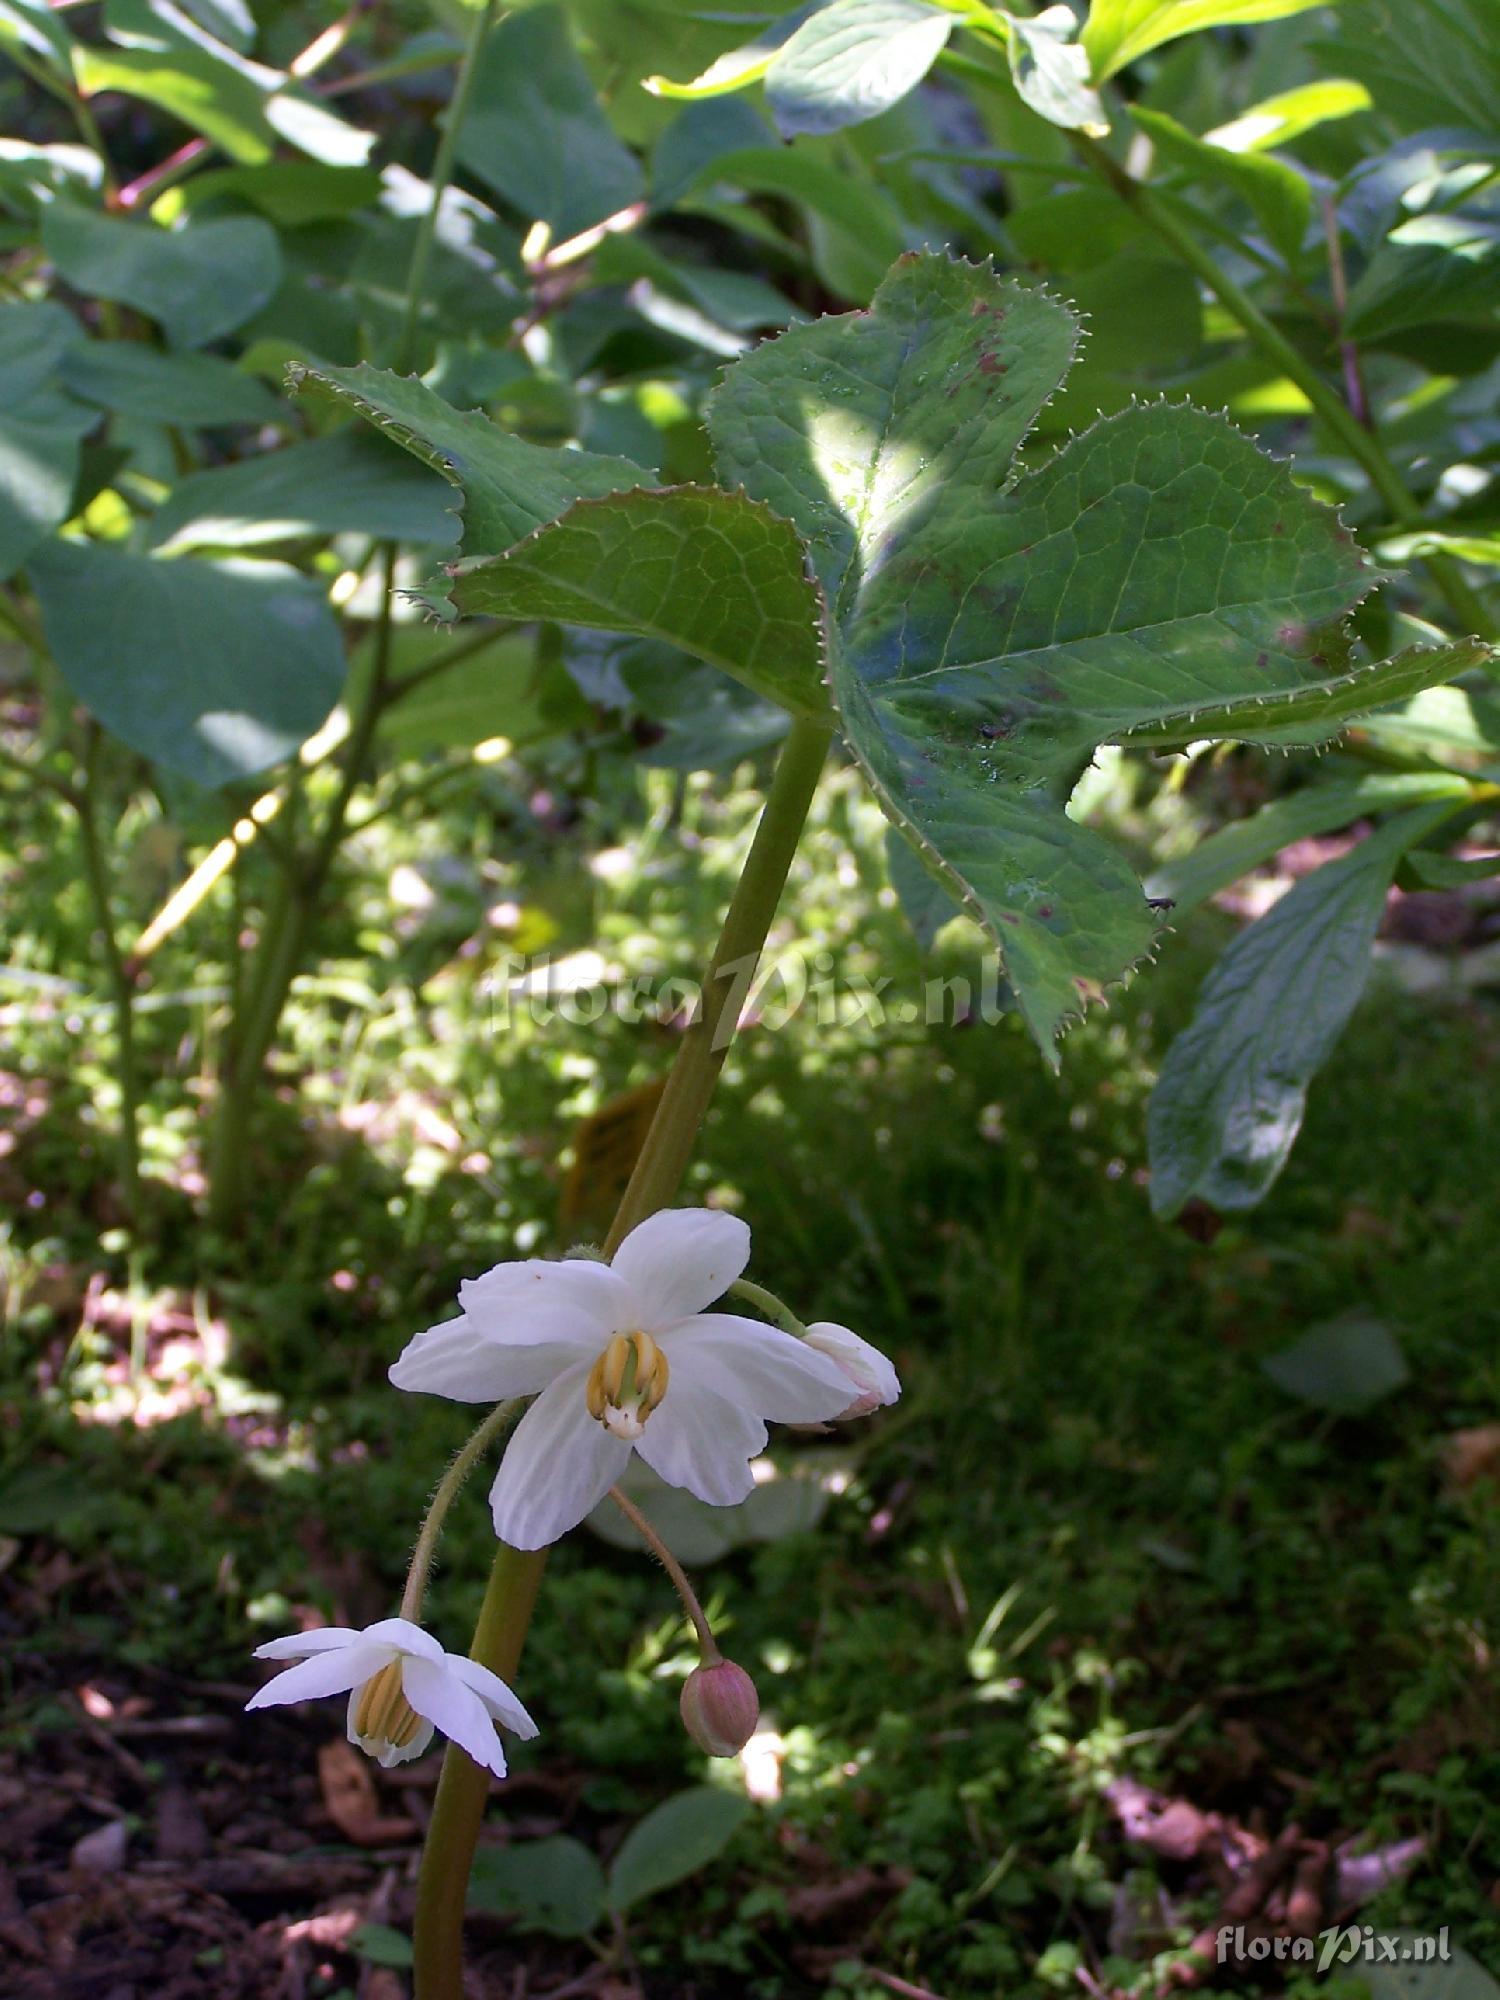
{"x": 1471, "y": 1455}
{"x": 351, "y": 1801}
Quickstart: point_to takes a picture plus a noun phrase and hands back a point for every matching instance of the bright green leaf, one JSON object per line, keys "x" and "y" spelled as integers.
{"x": 553, "y": 1885}
{"x": 1050, "y": 69}
{"x": 1277, "y": 120}
{"x": 1229, "y": 1102}
{"x": 211, "y": 98}
{"x": 214, "y": 669}
{"x": 197, "y": 282}
{"x": 1279, "y": 196}
{"x": 673, "y": 1841}
{"x": 1117, "y": 32}
{"x": 741, "y": 66}
{"x": 35, "y": 27}
{"x": 537, "y": 133}
{"x": 853, "y": 60}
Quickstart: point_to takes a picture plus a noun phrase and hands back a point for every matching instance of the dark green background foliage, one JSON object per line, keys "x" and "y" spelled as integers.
{"x": 441, "y": 451}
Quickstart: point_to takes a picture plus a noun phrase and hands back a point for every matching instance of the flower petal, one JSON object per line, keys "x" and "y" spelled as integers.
{"x": 759, "y": 1366}
{"x": 867, "y": 1368}
{"x": 457, "y": 1360}
{"x": 436, "y": 1692}
{"x": 680, "y": 1260}
{"x": 701, "y": 1441}
{"x": 496, "y": 1696}
{"x": 405, "y": 1637}
{"x": 507, "y": 1300}
{"x": 386, "y": 1754}
{"x": 330, "y": 1673}
{"x": 301, "y": 1645}
{"x": 558, "y": 1465}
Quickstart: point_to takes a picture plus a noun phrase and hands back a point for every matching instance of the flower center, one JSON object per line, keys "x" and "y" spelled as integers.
{"x": 383, "y": 1714}
{"x": 626, "y": 1383}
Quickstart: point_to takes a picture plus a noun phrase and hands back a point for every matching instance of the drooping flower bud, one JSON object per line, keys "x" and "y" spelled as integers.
{"x": 870, "y": 1373}
{"x": 720, "y": 1708}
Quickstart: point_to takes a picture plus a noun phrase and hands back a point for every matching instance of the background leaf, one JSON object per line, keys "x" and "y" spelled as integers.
{"x": 536, "y": 132}
{"x": 1229, "y": 1101}
{"x": 853, "y": 60}
{"x": 213, "y": 669}
{"x": 197, "y": 282}
{"x": 673, "y": 1841}
{"x": 1119, "y": 31}
{"x": 1345, "y": 1364}
{"x": 553, "y": 1885}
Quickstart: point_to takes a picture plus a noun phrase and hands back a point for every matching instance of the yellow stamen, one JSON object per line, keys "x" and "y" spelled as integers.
{"x": 626, "y": 1383}
{"x": 383, "y": 1714}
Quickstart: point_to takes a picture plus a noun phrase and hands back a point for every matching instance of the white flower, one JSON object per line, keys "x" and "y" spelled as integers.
{"x": 403, "y": 1685}
{"x": 622, "y": 1357}
{"x": 865, "y": 1366}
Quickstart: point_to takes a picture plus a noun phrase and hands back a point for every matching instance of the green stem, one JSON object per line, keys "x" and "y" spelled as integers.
{"x": 122, "y": 992}
{"x": 458, "y": 1809}
{"x": 458, "y": 1805}
{"x": 674, "y": 1129}
{"x": 1332, "y": 411}
{"x": 442, "y": 173}
{"x": 770, "y": 1305}
{"x": 449, "y": 1487}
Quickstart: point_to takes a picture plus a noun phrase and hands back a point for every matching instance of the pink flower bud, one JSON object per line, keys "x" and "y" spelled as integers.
{"x": 720, "y": 1708}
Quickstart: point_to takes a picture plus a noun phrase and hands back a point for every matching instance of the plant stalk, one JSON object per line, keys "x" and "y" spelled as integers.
{"x": 121, "y": 986}
{"x": 458, "y": 1809}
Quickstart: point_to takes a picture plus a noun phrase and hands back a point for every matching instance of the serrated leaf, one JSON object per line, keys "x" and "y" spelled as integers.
{"x": 712, "y": 572}
{"x": 536, "y": 131}
{"x": 1290, "y": 716}
{"x": 197, "y": 282}
{"x": 673, "y": 1841}
{"x": 988, "y": 638}
{"x": 1229, "y": 1102}
{"x": 925, "y": 902}
{"x": 853, "y": 60}
{"x": 1345, "y": 1364}
{"x": 1117, "y": 32}
{"x": 1235, "y": 849}
{"x": 1050, "y": 69}
{"x": 214, "y": 669}
{"x": 1279, "y": 196}
{"x": 509, "y": 487}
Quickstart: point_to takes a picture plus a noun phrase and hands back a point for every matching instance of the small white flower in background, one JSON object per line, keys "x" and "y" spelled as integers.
{"x": 865, "y": 1366}
{"x": 622, "y": 1357}
{"x": 401, "y": 1685}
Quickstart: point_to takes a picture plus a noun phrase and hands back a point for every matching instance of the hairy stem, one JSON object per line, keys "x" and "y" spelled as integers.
{"x": 449, "y": 1487}
{"x": 707, "y": 1644}
{"x": 458, "y": 1809}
